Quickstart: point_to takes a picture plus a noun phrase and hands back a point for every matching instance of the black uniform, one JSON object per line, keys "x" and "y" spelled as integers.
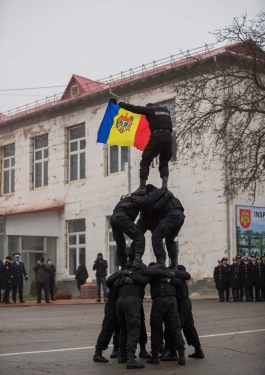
{"x": 6, "y": 279}
{"x": 246, "y": 274}
{"x": 42, "y": 281}
{"x": 110, "y": 322}
{"x": 259, "y": 275}
{"x": 52, "y": 272}
{"x": 160, "y": 141}
{"x": 234, "y": 281}
{"x": 122, "y": 221}
{"x": 18, "y": 270}
{"x": 129, "y": 312}
{"x": 220, "y": 278}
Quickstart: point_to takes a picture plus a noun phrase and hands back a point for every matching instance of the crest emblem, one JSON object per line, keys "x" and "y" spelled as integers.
{"x": 245, "y": 218}
{"x": 124, "y": 123}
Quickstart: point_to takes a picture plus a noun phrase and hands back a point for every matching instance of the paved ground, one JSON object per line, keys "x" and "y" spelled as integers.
{"x": 59, "y": 339}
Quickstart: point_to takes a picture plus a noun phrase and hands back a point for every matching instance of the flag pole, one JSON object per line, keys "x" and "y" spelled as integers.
{"x": 128, "y": 148}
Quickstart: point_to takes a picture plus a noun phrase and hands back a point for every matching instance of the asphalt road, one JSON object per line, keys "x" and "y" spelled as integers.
{"x": 60, "y": 340}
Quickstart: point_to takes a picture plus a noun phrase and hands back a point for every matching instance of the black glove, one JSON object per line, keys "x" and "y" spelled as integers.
{"x": 126, "y": 272}
{"x": 113, "y": 100}
{"x": 126, "y": 205}
{"x": 26, "y": 278}
{"x": 169, "y": 194}
{"x": 128, "y": 280}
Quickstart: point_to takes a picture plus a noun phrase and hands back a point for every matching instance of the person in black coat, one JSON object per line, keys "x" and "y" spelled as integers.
{"x": 160, "y": 141}
{"x": 101, "y": 266}
{"x": 42, "y": 279}
{"x": 19, "y": 273}
{"x": 81, "y": 275}
{"x": 7, "y": 278}
{"x": 246, "y": 274}
{"x": 259, "y": 275}
{"x": 220, "y": 278}
{"x": 234, "y": 279}
{"x": 52, "y": 272}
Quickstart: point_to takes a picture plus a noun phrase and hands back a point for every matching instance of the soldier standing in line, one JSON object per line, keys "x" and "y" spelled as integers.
{"x": 253, "y": 263}
{"x": 234, "y": 279}
{"x": 259, "y": 275}
{"x": 227, "y": 286}
{"x": 19, "y": 272}
{"x": 241, "y": 288}
{"x": 220, "y": 278}
{"x": 246, "y": 277}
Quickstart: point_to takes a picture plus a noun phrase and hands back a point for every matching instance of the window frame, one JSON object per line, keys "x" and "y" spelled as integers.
{"x": 76, "y": 246}
{"x": 119, "y": 159}
{"x": 8, "y": 169}
{"x": 78, "y": 152}
{"x": 41, "y": 161}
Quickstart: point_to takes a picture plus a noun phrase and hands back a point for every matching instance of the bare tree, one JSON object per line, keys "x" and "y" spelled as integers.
{"x": 221, "y": 107}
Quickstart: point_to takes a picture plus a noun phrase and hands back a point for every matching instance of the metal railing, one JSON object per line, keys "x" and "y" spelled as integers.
{"x": 112, "y": 80}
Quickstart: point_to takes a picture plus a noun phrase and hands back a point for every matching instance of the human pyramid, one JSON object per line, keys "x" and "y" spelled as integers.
{"x": 163, "y": 215}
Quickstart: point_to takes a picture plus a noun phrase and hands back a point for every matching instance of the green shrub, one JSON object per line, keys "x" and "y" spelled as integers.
{"x": 63, "y": 294}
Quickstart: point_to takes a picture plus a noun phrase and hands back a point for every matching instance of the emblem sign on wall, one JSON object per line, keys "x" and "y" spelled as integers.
{"x": 250, "y": 230}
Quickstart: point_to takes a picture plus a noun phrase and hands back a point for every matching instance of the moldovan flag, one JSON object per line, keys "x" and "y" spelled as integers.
{"x": 123, "y": 128}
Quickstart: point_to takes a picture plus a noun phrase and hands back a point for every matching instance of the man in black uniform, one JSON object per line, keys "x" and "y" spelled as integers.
{"x": 172, "y": 218}
{"x": 19, "y": 273}
{"x": 246, "y": 274}
{"x": 241, "y": 289}
{"x": 234, "y": 280}
{"x": 227, "y": 286}
{"x": 220, "y": 278}
{"x": 259, "y": 274}
{"x": 122, "y": 221}
{"x": 164, "y": 310}
{"x": 160, "y": 141}
{"x": 129, "y": 312}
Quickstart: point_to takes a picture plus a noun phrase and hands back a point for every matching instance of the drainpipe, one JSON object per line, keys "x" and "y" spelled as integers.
{"x": 128, "y": 148}
{"x": 227, "y": 198}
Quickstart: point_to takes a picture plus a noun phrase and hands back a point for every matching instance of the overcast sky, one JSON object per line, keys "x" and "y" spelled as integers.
{"x": 44, "y": 42}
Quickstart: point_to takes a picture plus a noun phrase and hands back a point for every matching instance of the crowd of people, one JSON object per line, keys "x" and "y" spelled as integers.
{"x": 13, "y": 274}
{"x": 244, "y": 277}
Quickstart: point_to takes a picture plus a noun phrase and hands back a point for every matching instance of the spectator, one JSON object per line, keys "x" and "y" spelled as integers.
{"x": 101, "y": 265}
{"x": 52, "y": 272}
{"x": 42, "y": 279}
{"x": 6, "y": 279}
{"x": 18, "y": 271}
{"x": 81, "y": 275}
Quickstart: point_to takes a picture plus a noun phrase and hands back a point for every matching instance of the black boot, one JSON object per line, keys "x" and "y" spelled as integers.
{"x": 143, "y": 352}
{"x": 170, "y": 356}
{"x": 137, "y": 263}
{"x": 141, "y": 189}
{"x": 198, "y": 353}
{"x": 160, "y": 262}
{"x": 132, "y": 363}
{"x": 222, "y": 296}
{"x": 173, "y": 262}
{"x": 122, "y": 356}
{"x": 115, "y": 352}
{"x": 98, "y": 357}
{"x": 154, "y": 360}
{"x": 164, "y": 182}
{"x": 182, "y": 360}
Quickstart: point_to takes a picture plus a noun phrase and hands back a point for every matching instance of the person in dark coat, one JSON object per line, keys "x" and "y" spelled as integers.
{"x": 220, "y": 278}
{"x": 259, "y": 275}
{"x": 234, "y": 280}
{"x": 160, "y": 141}
{"x": 52, "y": 272}
{"x": 81, "y": 275}
{"x": 227, "y": 287}
{"x": 19, "y": 273}
{"x": 122, "y": 221}
{"x": 42, "y": 279}
{"x": 246, "y": 274}
{"x": 101, "y": 266}
{"x": 7, "y": 278}
{"x": 241, "y": 289}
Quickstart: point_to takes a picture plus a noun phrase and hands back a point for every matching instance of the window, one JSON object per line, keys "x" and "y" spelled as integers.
{"x": 117, "y": 159}
{"x": 41, "y": 161}
{"x": 76, "y": 245}
{"x": 8, "y": 169}
{"x": 77, "y": 156}
{"x": 171, "y": 106}
{"x": 112, "y": 247}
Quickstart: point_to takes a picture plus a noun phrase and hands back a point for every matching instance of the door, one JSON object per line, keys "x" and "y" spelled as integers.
{"x": 30, "y": 259}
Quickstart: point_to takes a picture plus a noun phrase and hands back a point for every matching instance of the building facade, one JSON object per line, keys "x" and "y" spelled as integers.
{"x": 59, "y": 187}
